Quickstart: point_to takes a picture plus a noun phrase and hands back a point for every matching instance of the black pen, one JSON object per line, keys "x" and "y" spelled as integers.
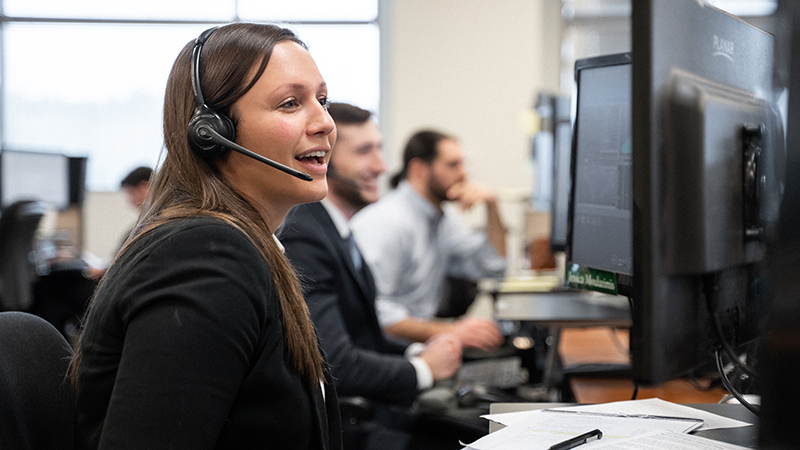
{"x": 577, "y": 440}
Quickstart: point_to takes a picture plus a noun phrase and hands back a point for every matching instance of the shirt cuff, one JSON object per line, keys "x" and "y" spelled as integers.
{"x": 414, "y": 349}
{"x": 424, "y": 374}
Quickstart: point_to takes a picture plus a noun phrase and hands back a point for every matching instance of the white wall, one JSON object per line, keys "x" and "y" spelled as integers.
{"x": 471, "y": 68}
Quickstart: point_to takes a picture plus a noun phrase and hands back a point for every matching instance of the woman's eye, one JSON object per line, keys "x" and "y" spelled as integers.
{"x": 289, "y": 103}
{"x": 325, "y": 101}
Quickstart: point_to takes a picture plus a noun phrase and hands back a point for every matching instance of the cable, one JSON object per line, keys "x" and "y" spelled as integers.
{"x": 621, "y": 348}
{"x": 635, "y": 383}
{"x": 728, "y": 349}
{"x": 710, "y": 289}
{"x": 753, "y": 408}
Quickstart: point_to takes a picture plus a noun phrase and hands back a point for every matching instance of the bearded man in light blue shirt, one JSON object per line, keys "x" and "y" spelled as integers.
{"x": 413, "y": 245}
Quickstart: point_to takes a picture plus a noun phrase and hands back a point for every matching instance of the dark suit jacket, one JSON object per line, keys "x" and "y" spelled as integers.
{"x": 184, "y": 348}
{"x": 342, "y": 302}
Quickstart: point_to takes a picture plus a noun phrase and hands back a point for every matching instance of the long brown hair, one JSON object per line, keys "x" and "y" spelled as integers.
{"x": 186, "y": 185}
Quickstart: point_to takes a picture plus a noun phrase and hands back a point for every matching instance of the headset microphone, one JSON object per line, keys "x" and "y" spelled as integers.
{"x": 210, "y": 133}
{"x": 220, "y": 140}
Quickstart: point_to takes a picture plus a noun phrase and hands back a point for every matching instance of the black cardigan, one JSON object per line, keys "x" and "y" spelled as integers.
{"x": 184, "y": 349}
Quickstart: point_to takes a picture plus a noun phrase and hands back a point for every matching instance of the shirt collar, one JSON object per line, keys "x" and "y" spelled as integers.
{"x": 338, "y": 218}
{"x": 280, "y": 246}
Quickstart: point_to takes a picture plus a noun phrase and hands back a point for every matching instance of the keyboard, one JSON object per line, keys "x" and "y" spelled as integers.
{"x": 500, "y": 373}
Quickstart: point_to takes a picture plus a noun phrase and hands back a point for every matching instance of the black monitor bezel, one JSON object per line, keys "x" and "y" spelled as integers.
{"x": 624, "y": 282}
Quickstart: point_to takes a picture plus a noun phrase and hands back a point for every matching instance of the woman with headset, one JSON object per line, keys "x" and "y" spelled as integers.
{"x": 198, "y": 336}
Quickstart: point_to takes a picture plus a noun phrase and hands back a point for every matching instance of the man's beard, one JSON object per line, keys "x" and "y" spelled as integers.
{"x": 346, "y": 189}
{"x": 437, "y": 191}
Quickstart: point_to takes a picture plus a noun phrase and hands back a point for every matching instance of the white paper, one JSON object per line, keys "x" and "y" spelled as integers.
{"x": 511, "y": 418}
{"x": 541, "y": 429}
{"x": 666, "y": 440}
{"x": 658, "y": 407}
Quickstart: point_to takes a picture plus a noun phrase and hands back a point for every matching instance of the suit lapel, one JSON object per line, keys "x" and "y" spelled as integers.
{"x": 362, "y": 277}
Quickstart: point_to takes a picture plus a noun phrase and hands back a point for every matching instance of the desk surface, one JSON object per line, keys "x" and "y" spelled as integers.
{"x": 564, "y": 309}
{"x": 744, "y": 436}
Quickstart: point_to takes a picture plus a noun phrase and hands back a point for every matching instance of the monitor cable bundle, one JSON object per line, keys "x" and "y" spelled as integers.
{"x": 710, "y": 289}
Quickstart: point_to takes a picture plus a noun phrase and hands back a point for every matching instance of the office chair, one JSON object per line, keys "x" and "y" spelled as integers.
{"x": 460, "y": 293}
{"x": 17, "y": 227}
{"x": 357, "y": 414}
{"x": 37, "y": 409}
{"x": 61, "y": 296}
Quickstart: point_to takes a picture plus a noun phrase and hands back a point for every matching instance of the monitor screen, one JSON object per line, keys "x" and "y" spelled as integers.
{"x": 707, "y": 145}
{"x": 34, "y": 176}
{"x": 601, "y": 221}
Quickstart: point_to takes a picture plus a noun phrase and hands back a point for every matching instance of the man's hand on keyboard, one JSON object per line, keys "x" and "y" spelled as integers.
{"x": 443, "y": 355}
{"x": 478, "y": 333}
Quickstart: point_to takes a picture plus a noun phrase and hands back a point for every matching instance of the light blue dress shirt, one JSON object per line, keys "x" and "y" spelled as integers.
{"x": 411, "y": 246}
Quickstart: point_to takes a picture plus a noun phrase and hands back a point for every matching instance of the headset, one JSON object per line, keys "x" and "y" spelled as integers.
{"x": 210, "y": 133}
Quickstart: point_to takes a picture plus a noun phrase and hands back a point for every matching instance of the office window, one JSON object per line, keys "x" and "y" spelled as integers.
{"x": 309, "y": 10}
{"x": 112, "y": 10}
{"x": 88, "y": 80}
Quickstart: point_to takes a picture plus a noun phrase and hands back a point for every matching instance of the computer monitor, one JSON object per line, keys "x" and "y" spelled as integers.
{"x": 552, "y": 149}
{"x": 542, "y": 153}
{"x": 34, "y": 176}
{"x": 779, "y": 360}
{"x": 707, "y": 150}
{"x": 600, "y": 236}
{"x": 77, "y": 179}
{"x": 562, "y": 153}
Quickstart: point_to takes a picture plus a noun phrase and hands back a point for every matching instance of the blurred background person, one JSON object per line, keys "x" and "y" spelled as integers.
{"x": 136, "y": 185}
{"x": 413, "y": 245}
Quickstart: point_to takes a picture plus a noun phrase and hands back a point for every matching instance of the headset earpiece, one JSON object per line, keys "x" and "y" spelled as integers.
{"x": 205, "y": 118}
{"x": 199, "y": 137}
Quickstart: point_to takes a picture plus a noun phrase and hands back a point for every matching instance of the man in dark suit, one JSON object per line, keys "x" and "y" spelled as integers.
{"x": 340, "y": 292}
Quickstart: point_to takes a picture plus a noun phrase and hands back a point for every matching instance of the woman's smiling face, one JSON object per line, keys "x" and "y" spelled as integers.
{"x": 283, "y": 117}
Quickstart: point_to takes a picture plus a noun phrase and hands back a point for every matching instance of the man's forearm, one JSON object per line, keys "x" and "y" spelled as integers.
{"x": 417, "y": 330}
{"x": 495, "y": 230}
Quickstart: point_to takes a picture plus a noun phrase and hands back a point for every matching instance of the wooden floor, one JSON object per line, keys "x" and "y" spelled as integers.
{"x": 605, "y": 345}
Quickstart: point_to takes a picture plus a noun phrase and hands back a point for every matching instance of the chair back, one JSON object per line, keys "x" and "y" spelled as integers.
{"x": 37, "y": 408}
{"x": 17, "y": 228}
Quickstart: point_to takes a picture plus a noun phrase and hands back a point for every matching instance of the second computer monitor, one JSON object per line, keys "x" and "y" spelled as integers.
{"x": 600, "y": 249}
